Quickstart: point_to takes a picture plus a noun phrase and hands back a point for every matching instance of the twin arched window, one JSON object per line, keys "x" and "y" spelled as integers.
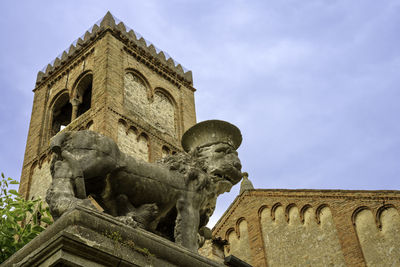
{"x": 65, "y": 109}
{"x": 158, "y": 109}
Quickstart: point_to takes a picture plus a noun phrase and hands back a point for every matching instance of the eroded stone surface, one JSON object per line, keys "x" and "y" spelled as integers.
{"x": 136, "y": 97}
{"x": 296, "y": 244}
{"x": 40, "y": 181}
{"x": 164, "y": 113}
{"x": 239, "y": 246}
{"x": 131, "y": 144}
{"x": 159, "y": 112}
{"x": 380, "y": 247}
{"x": 84, "y": 237}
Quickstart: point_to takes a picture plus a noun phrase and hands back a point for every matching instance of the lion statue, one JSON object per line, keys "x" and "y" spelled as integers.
{"x": 173, "y": 197}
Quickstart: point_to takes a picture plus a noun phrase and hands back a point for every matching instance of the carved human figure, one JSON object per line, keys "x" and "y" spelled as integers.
{"x": 173, "y": 198}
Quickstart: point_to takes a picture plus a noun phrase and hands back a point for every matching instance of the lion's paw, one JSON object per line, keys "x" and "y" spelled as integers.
{"x": 128, "y": 220}
{"x": 150, "y": 209}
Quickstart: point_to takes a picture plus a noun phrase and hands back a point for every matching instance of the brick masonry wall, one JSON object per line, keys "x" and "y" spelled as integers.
{"x": 46, "y": 94}
{"x": 157, "y": 110}
{"x": 41, "y": 180}
{"x": 309, "y": 226}
{"x": 136, "y": 95}
{"x": 130, "y": 143}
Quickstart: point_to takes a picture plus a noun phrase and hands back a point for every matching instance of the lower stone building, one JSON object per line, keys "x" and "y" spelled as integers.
{"x": 278, "y": 227}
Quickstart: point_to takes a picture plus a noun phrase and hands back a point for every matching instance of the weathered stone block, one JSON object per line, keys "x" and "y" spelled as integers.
{"x": 84, "y": 237}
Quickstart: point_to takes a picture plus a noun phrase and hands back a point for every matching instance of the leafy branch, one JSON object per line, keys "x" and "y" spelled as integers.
{"x": 20, "y": 220}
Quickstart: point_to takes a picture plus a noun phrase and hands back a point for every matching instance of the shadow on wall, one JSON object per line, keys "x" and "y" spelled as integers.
{"x": 379, "y": 235}
{"x": 300, "y": 238}
{"x": 238, "y": 239}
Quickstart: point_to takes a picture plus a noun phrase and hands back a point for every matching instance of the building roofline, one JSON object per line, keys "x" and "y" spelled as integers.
{"x": 327, "y": 191}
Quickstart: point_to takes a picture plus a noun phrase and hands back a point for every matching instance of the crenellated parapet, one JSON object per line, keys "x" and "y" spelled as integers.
{"x": 136, "y": 45}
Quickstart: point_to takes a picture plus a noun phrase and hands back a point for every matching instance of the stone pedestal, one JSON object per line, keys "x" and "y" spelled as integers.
{"x": 84, "y": 237}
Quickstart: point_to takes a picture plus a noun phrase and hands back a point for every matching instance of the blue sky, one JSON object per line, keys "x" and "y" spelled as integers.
{"x": 313, "y": 85}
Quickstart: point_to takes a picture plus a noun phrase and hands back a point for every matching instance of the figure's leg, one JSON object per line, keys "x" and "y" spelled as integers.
{"x": 187, "y": 224}
{"x": 125, "y": 210}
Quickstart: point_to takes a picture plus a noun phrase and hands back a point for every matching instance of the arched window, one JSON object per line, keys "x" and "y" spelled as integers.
{"x": 82, "y": 96}
{"x": 136, "y": 93}
{"x": 61, "y": 113}
{"x": 163, "y": 108}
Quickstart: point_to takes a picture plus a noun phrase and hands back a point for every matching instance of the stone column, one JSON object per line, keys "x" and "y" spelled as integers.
{"x": 75, "y": 104}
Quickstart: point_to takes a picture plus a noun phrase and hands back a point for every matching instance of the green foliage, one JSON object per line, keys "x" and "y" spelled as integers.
{"x": 116, "y": 236}
{"x": 20, "y": 220}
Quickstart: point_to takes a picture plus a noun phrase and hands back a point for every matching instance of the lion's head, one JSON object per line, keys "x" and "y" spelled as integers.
{"x": 215, "y": 168}
{"x": 213, "y": 145}
{"x": 218, "y": 164}
{"x": 222, "y": 163}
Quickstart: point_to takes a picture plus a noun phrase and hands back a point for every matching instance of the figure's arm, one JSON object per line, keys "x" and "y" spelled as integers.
{"x": 187, "y": 222}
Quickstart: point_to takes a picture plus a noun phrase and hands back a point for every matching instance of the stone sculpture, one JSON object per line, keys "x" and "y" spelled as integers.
{"x": 173, "y": 198}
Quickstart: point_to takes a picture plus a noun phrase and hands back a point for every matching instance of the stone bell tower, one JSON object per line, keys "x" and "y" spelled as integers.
{"x": 113, "y": 81}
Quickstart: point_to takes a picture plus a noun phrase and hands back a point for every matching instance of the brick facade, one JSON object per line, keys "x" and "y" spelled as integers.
{"x": 313, "y": 228}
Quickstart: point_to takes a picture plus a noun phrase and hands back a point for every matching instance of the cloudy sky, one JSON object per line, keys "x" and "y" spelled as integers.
{"x": 313, "y": 85}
